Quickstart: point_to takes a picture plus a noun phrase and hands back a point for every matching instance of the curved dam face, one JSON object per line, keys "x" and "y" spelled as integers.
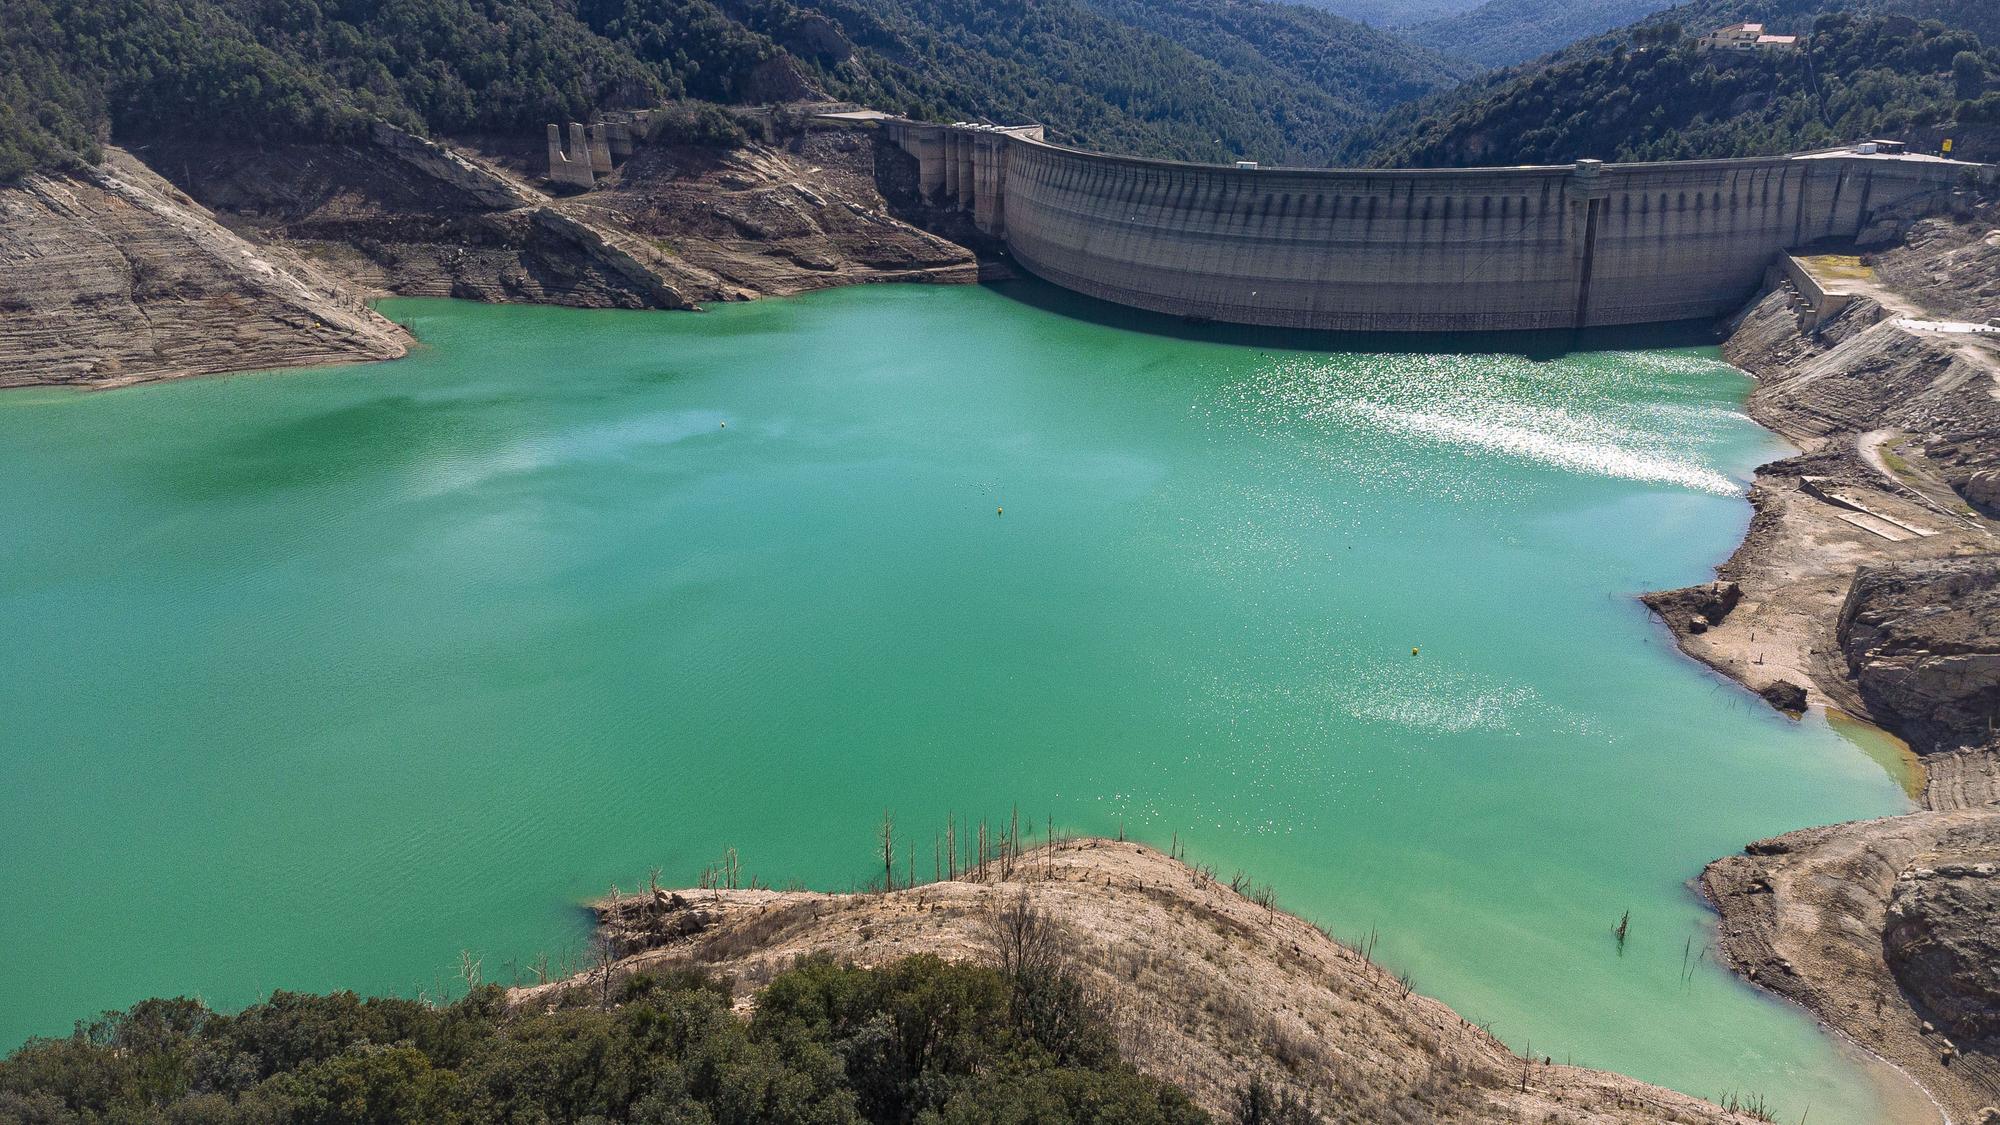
{"x": 1451, "y": 250}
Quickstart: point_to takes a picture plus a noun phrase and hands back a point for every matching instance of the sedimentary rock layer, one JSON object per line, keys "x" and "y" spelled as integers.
{"x": 1922, "y": 640}
{"x": 673, "y": 227}
{"x": 1941, "y": 938}
{"x": 259, "y": 256}
{"x": 1883, "y": 929}
{"x": 116, "y": 277}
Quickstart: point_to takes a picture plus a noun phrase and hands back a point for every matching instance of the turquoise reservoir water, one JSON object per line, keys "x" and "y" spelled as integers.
{"x": 315, "y": 678}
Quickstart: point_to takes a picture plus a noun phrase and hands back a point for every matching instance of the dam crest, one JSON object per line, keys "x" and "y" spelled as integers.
{"x": 1425, "y": 250}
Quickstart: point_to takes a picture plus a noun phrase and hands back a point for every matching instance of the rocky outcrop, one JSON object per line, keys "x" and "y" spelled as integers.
{"x": 115, "y": 277}
{"x": 641, "y": 267}
{"x": 259, "y": 256}
{"x": 1694, "y": 609}
{"x": 1854, "y": 921}
{"x": 782, "y": 218}
{"x": 633, "y": 924}
{"x": 674, "y": 227}
{"x": 1942, "y": 936}
{"x": 423, "y": 225}
{"x": 1864, "y": 373}
{"x": 1950, "y": 265}
{"x": 479, "y": 183}
{"x": 1867, "y": 579}
{"x": 1786, "y": 696}
{"x": 1981, "y": 489}
{"x": 1961, "y": 779}
{"x": 1206, "y": 987}
{"x": 1922, "y": 640}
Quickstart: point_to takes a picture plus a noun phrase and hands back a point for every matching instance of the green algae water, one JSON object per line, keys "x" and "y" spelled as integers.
{"x": 315, "y": 678}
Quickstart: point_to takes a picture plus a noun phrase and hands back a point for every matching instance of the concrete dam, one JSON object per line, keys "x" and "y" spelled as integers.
{"x": 1447, "y": 250}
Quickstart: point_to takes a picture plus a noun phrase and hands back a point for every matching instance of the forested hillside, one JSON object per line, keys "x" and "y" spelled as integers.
{"x": 1502, "y": 33}
{"x": 1981, "y": 17}
{"x": 1195, "y": 79}
{"x": 1165, "y": 77}
{"x": 1651, "y": 96}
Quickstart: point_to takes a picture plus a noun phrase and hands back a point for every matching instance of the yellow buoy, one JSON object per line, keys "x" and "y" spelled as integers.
{"x": 1413, "y": 650}
{"x": 999, "y": 511}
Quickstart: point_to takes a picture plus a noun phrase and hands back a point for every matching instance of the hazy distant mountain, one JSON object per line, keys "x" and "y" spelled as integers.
{"x": 1392, "y": 13}
{"x": 1505, "y": 32}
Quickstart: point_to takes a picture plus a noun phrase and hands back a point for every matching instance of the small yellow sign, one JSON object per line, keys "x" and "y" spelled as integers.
{"x": 1947, "y": 144}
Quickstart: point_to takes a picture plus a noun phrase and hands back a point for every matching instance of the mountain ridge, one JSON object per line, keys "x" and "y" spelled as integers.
{"x": 1154, "y": 77}
{"x": 1648, "y": 93}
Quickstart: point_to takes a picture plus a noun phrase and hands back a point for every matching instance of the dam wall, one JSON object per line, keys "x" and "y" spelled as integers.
{"x": 1445, "y": 250}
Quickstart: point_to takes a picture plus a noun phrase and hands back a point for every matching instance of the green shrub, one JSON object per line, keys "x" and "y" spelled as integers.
{"x": 696, "y": 123}
{"x": 920, "y": 1040}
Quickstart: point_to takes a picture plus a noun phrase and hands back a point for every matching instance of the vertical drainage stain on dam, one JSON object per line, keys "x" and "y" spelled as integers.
{"x": 1588, "y": 178}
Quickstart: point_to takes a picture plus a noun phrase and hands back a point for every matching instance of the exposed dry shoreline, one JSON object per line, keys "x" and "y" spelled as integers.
{"x": 186, "y": 258}
{"x": 117, "y": 277}
{"x": 1205, "y": 986}
{"x": 1864, "y": 584}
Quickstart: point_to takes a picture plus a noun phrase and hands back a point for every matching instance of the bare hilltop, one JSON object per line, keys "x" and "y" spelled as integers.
{"x": 1205, "y": 986}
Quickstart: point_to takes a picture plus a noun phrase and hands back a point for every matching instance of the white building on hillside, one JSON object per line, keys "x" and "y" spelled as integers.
{"x": 1746, "y": 37}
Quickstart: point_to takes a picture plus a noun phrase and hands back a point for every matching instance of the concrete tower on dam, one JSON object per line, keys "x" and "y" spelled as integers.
{"x": 1448, "y": 250}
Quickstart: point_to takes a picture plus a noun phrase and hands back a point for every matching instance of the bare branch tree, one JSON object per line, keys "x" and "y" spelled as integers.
{"x": 1048, "y": 998}
{"x": 888, "y": 851}
{"x": 1026, "y": 940}
{"x": 604, "y": 953}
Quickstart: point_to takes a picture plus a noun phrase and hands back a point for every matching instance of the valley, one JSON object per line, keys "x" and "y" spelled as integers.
{"x": 927, "y": 416}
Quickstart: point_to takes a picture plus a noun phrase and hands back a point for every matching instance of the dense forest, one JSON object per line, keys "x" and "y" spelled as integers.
{"x": 1165, "y": 77}
{"x": 918, "y": 1041}
{"x": 1194, "y": 79}
{"x": 1655, "y": 97}
{"x": 47, "y": 119}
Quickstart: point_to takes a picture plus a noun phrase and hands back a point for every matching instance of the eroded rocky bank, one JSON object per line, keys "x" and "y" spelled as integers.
{"x": 1205, "y": 987}
{"x": 118, "y": 277}
{"x": 184, "y": 258}
{"x": 1869, "y": 581}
